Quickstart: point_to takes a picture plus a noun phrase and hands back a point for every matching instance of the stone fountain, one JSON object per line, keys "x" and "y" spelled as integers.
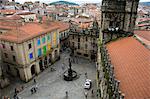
{"x": 70, "y": 74}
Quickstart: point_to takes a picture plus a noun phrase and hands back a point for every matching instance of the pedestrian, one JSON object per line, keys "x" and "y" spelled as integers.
{"x": 76, "y": 59}
{"x": 15, "y": 96}
{"x": 92, "y": 92}
{"x": 86, "y": 75}
{"x": 34, "y": 81}
{"x": 63, "y": 66}
{"x": 86, "y": 94}
{"x": 32, "y": 91}
{"x": 15, "y": 91}
{"x": 66, "y": 93}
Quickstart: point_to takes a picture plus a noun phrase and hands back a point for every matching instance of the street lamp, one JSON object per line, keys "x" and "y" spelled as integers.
{"x": 113, "y": 30}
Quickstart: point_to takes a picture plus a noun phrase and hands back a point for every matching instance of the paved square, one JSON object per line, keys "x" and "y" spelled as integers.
{"x": 52, "y": 86}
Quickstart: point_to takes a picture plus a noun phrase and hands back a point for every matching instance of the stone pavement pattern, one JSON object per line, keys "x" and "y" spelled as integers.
{"x": 52, "y": 86}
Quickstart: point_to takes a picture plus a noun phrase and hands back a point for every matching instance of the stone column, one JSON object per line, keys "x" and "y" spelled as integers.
{"x": 37, "y": 67}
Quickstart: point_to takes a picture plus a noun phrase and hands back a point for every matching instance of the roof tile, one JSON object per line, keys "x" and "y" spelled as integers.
{"x": 131, "y": 62}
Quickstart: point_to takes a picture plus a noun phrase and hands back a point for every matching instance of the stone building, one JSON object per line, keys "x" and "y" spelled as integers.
{"x": 119, "y": 13}
{"x": 0, "y": 64}
{"x": 63, "y": 35}
{"x": 3, "y": 2}
{"x": 29, "y": 48}
{"x": 83, "y": 42}
{"x": 118, "y": 19}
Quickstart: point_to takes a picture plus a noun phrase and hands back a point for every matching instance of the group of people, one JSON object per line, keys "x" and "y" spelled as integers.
{"x": 34, "y": 89}
{"x": 74, "y": 59}
{"x": 17, "y": 90}
{"x": 86, "y": 94}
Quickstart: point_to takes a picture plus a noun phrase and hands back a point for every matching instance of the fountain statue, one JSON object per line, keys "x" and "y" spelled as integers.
{"x": 70, "y": 74}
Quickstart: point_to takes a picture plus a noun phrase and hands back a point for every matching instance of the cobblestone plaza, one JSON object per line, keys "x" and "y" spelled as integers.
{"x": 52, "y": 86}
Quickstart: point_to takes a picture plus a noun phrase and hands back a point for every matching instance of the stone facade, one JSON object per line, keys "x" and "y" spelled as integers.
{"x": 29, "y": 58}
{"x": 83, "y": 42}
{"x": 119, "y": 13}
{"x": 64, "y": 42}
{"x": 118, "y": 19}
{"x": 0, "y": 64}
{"x": 3, "y": 2}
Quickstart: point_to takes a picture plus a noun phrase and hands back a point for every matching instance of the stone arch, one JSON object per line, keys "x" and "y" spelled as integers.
{"x": 41, "y": 65}
{"x": 50, "y": 58}
{"x": 55, "y": 53}
{"x": 33, "y": 72}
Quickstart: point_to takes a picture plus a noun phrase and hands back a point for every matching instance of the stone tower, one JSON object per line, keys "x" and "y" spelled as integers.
{"x": 119, "y": 13}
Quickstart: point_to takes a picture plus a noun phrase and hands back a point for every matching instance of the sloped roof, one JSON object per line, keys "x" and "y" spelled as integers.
{"x": 27, "y": 31}
{"x": 143, "y": 33}
{"x": 131, "y": 62}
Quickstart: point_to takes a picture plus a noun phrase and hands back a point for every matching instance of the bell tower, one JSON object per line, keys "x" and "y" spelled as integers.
{"x": 119, "y": 14}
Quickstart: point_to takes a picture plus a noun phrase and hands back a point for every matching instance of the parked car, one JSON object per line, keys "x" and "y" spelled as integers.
{"x": 87, "y": 84}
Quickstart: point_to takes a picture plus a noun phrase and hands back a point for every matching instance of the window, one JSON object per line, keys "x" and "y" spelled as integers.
{"x": 38, "y": 12}
{"x": 39, "y": 52}
{"x": 43, "y": 40}
{"x": 78, "y": 39}
{"x": 86, "y": 55}
{"x": 78, "y": 45}
{"x": 12, "y": 48}
{"x": 61, "y": 35}
{"x": 49, "y": 46}
{"x": 86, "y": 46}
{"x": 31, "y": 55}
{"x": 14, "y": 58}
{"x": 3, "y": 45}
{"x": 8, "y": 67}
{"x": 29, "y": 46}
{"x": 64, "y": 34}
{"x": 6, "y": 55}
{"x": 78, "y": 53}
{"x": 72, "y": 36}
{"x": 49, "y": 38}
{"x": 38, "y": 42}
{"x": 73, "y": 44}
{"x": 44, "y": 50}
{"x": 93, "y": 39}
{"x": 86, "y": 39}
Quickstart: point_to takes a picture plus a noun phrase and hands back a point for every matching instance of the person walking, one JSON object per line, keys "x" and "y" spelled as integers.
{"x": 34, "y": 81}
{"x": 66, "y": 94}
{"x": 15, "y": 91}
{"x": 86, "y": 94}
{"x": 92, "y": 92}
{"x": 86, "y": 75}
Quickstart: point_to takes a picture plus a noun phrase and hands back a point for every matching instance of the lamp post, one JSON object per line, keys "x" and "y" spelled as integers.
{"x": 113, "y": 30}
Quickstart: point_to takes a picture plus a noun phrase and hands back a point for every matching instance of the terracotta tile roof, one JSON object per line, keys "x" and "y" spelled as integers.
{"x": 25, "y": 13}
{"x": 12, "y": 17}
{"x": 143, "y": 33}
{"x": 27, "y": 31}
{"x": 143, "y": 19}
{"x": 8, "y": 11}
{"x": 62, "y": 26}
{"x": 145, "y": 24}
{"x": 131, "y": 62}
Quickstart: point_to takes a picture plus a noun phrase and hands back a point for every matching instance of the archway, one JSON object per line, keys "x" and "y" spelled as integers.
{"x": 56, "y": 54}
{"x": 18, "y": 74}
{"x": 49, "y": 60}
{"x": 45, "y": 61}
{"x": 33, "y": 70}
{"x": 41, "y": 65}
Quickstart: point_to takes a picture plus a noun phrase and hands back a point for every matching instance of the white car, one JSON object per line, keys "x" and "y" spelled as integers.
{"x": 87, "y": 84}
